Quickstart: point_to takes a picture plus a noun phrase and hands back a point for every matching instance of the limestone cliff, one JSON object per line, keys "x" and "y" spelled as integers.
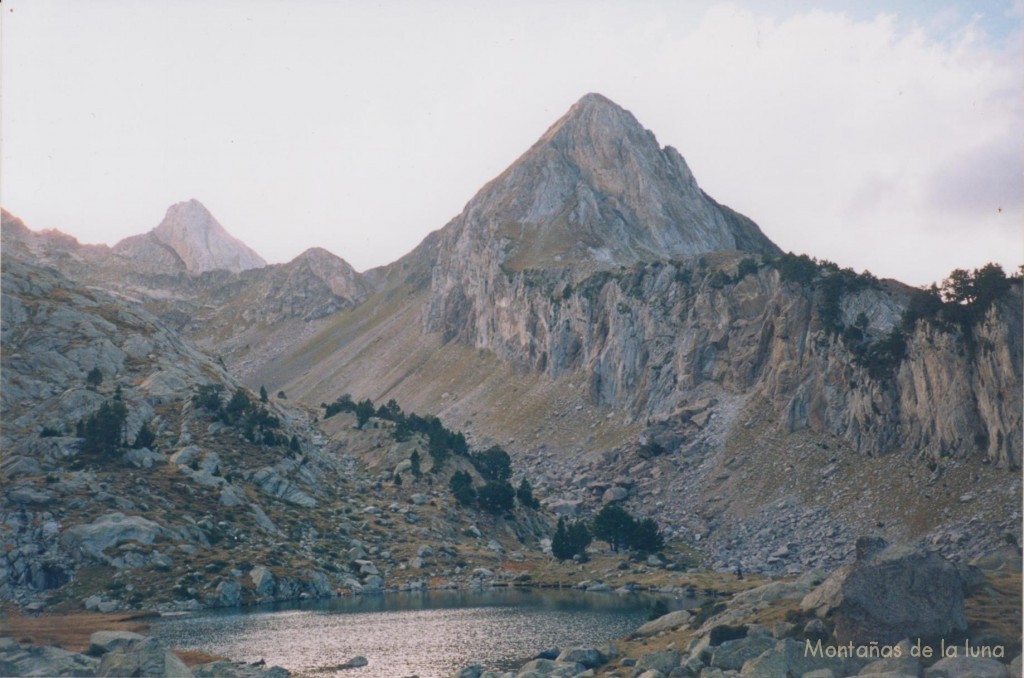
{"x": 651, "y": 336}
{"x": 597, "y": 253}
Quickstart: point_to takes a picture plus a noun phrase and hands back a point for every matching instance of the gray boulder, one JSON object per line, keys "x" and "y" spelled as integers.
{"x": 615, "y": 494}
{"x": 43, "y": 661}
{"x": 226, "y": 669}
{"x": 186, "y": 455}
{"x": 890, "y": 593}
{"x": 588, "y": 656}
{"x": 102, "y": 642}
{"x": 668, "y": 622}
{"x": 966, "y": 667}
{"x": 275, "y": 485}
{"x": 548, "y": 667}
{"x": 264, "y": 580}
{"x": 907, "y": 666}
{"x": 228, "y": 594}
{"x": 732, "y": 654}
{"x": 792, "y": 658}
{"x": 663, "y": 661}
{"x": 143, "y": 657}
{"x": 109, "y": 530}
{"x": 144, "y": 458}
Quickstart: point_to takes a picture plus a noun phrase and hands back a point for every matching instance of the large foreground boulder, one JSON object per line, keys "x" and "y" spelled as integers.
{"x": 112, "y": 529}
{"x": 142, "y": 657}
{"x": 17, "y": 660}
{"x": 890, "y": 593}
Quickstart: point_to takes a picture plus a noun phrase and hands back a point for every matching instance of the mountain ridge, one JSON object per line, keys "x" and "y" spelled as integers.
{"x": 637, "y": 345}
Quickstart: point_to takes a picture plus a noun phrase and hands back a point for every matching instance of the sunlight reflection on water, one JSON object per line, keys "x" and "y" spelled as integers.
{"x": 430, "y": 634}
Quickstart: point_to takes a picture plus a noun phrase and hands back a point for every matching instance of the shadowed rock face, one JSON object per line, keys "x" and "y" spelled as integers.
{"x": 891, "y": 593}
{"x": 190, "y": 234}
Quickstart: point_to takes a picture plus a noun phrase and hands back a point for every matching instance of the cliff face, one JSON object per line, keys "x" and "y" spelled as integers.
{"x": 596, "y": 252}
{"x": 651, "y": 336}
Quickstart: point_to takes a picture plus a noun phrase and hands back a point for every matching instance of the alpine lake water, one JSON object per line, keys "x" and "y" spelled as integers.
{"x": 424, "y": 634}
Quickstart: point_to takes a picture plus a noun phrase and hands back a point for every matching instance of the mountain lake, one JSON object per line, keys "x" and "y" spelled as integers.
{"x": 424, "y": 634}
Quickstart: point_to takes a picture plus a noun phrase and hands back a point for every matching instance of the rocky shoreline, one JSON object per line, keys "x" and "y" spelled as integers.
{"x": 895, "y": 612}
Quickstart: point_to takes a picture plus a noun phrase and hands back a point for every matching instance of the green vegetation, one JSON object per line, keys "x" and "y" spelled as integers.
{"x": 461, "y": 485}
{"x": 963, "y": 299}
{"x": 747, "y": 267}
{"x": 208, "y": 397}
{"x": 103, "y": 430}
{"x": 344, "y": 403}
{"x": 364, "y": 410}
{"x": 614, "y": 524}
{"x": 524, "y": 493}
{"x": 94, "y": 378}
{"x": 144, "y": 438}
{"x": 496, "y": 497}
{"x": 493, "y": 464}
{"x": 570, "y": 540}
{"x": 255, "y": 422}
{"x": 800, "y": 269}
{"x": 646, "y": 537}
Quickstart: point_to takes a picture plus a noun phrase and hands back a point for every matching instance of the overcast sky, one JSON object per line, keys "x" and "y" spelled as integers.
{"x": 881, "y": 135}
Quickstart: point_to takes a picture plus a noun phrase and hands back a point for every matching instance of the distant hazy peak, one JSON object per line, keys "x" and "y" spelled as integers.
{"x": 203, "y": 244}
{"x": 337, "y": 273}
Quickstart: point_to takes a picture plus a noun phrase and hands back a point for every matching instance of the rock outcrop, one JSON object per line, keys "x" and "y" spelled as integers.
{"x": 891, "y": 593}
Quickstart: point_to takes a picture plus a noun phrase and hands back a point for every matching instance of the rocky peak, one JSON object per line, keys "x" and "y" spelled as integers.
{"x": 337, "y": 273}
{"x": 192, "y": 235}
{"x": 598, "y": 190}
{"x": 595, "y": 192}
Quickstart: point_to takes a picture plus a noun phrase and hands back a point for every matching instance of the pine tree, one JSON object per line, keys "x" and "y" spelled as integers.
{"x": 144, "y": 438}
{"x": 570, "y": 541}
{"x": 560, "y": 546}
{"x": 525, "y": 495}
{"x": 263, "y": 394}
{"x": 646, "y": 537}
{"x": 614, "y": 525}
{"x": 461, "y": 485}
{"x": 364, "y": 410}
{"x": 94, "y": 378}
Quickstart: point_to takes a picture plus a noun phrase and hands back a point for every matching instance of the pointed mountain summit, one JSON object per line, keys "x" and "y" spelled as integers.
{"x": 190, "y": 237}
{"x": 597, "y": 189}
